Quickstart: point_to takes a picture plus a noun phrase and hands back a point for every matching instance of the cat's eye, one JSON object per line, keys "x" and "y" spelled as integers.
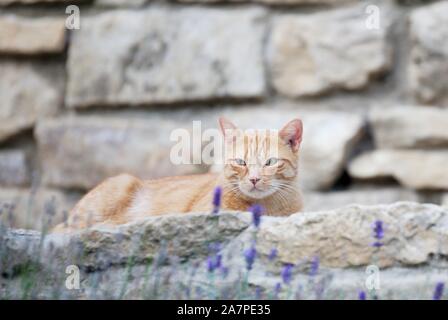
{"x": 271, "y": 162}
{"x": 240, "y": 162}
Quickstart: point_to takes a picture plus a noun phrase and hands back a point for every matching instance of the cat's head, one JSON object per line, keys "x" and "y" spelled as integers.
{"x": 260, "y": 162}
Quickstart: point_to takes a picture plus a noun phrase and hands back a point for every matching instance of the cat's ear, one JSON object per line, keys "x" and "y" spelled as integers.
{"x": 225, "y": 125}
{"x": 291, "y": 133}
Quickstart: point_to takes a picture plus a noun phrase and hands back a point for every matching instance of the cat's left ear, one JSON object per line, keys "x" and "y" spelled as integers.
{"x": 291, "y": 133}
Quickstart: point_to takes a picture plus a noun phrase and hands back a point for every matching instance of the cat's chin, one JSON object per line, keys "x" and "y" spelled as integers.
{"x": 256, "y": 193}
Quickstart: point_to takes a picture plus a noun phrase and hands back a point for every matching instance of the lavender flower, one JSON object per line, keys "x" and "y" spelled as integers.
{"x": 438, "y": 292}
{"x": 258, "y": 293}
{"x": 210, "y": 264}
{"x": 199, "y": 293}
{"x": 362, "y": 295}
{"x": 257, "y": 211}
{"x": 377, "y": 244}
{"x": 214, "y": 262}
{"x": 217, "y": 200}
{"x": 287, "y": 273}
{"x": 224, "y": 271}
{"x": 250, "y": 255}
{"x": 214, "y": 247}
{"x": 378, "y": 229}
{"x": 277, "y": 289}
{"x": 314, "y": 266}
{"x": 218, "y": 261}
{"x": 273, "y": 254}
{"x": 378, "y": 233}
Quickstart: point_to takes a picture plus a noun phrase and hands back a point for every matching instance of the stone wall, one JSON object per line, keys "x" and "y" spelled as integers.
{"x": 77, "y": 106}
{"x": 174, "y": 256}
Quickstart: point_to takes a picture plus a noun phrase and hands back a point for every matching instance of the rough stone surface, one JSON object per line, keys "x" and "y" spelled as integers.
{"x": 415, "y": 169}
{"x": 20, "y": 35}
{"x": 429, "y": 54}
{"x": 407, "y": 127}
{"x": 167, "y": 56}
{"x": 305, "y": 2}
{"x": 180, "y": 235}
{"x": 345, "y": 284}
{"x": 33, "y": 209}
{"x": 415, "y": 236}
{"x": 305, "y": 59}
{"x": 120, "y": 3}
{"x": 330, "y": 139}
{"x": 342, "y": 238}
{"x": 445, "y": 200}
{"x": 13, "y": 168}
{"x": 80, "y": 152}
{"x": 271, "y": 2}
{"x": 27, "y": 93}
{"x": 124, "y": 3}
{"x": 317, "y": 201}
{"x": 183, "y": 236}
{"x": 9, "y": 2}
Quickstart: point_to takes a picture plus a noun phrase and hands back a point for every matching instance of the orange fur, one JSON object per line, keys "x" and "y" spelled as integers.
{"x": 251, "y": 175}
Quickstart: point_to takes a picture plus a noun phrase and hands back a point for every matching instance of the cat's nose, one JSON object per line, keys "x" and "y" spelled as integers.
{"x": 254, "y": 180}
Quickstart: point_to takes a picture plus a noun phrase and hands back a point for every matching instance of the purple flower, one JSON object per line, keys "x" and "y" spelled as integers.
{"x": 198, "y": 293}
{"x": 378, "y": 230}
{"x": 214, "y": 262}
{"x": 438, "y": 291}
{"x": 188, "y": 291}
{"x": 224, "y": 271}
{"x": 378, "y": 233}
{"x": 362, "y": 295}
{"x": 214, "y": 247}
{"x": 314, "y": 266}
{"x": 377, "y": 244}
{"x": 258, "y": 293}
{"x": 273, "y": 254}
{"x": 218, "y": 261}
{"x": 257, "y": 211}
{"x": 210, "y": 264}
{"x": 287, "y": 273}
{"x": 250, "y": 255}
{"x": 277, "y": 289}
{"x": 217, "y": 199}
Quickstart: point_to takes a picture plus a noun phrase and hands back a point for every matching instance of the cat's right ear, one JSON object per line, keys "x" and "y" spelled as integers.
{"x": 226, "y": 125}
{"x": 291, "y": 133}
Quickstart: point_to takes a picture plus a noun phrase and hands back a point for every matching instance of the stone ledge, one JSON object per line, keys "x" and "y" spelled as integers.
{"x": 415, "y": 242}
{"x": 341, "y": 238}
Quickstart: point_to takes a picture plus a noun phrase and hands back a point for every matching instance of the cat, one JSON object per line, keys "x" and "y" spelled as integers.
{"x": 257, "y": 170}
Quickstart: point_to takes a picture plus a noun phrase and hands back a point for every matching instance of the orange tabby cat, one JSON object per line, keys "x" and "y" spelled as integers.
{"x": 261, "y": 172}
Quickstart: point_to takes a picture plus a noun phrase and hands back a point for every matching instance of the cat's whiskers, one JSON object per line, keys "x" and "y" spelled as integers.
{"x": 230, "y": 187}
{"x": 286, "y": 186}
{"x": 284, "y": 191}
